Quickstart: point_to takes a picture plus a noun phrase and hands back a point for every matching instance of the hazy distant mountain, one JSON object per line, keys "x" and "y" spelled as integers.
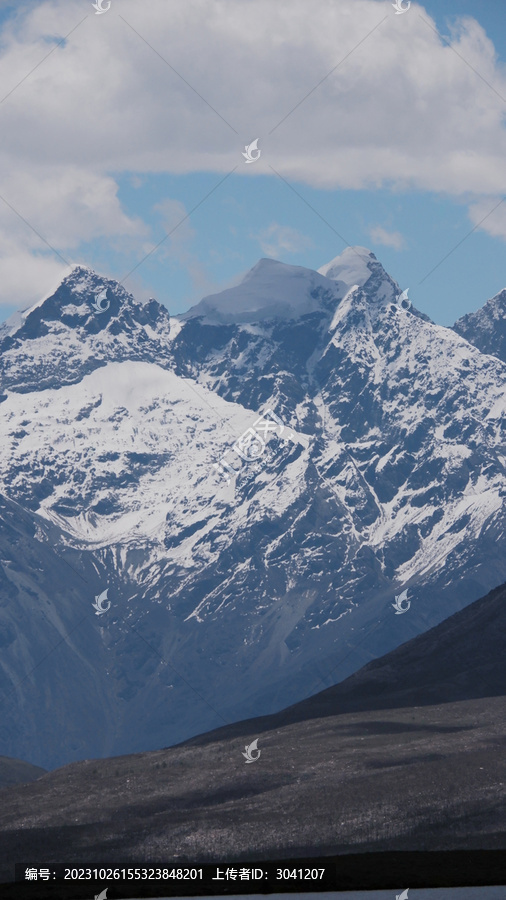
{"x": 486, "y": 328}
{"x": 356, "y": 768}
{"x": 462, "y": 658}
{"x": 15, "y": 771}
{"x": 231, "y": 599}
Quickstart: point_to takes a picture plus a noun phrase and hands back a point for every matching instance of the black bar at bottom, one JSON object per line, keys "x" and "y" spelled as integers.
{"x": 364, "y": 871}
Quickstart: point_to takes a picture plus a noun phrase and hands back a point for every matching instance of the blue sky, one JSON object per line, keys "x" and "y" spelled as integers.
{"x": 107, "y": 148}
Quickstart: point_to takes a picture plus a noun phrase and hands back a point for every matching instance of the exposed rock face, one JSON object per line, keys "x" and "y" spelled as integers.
{"x": 234, "y": 599}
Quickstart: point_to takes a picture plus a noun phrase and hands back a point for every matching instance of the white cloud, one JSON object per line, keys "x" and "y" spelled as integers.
{"x": 386, "y": 238}
{"x": 66, "y": 205}
{"x": 490, "y": 214}
{"x": 402, "y": 109}
{"x": 276, "y": 240}
{"x": 26, "y": 276}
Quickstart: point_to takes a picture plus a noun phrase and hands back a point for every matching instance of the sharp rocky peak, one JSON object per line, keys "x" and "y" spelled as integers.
{"x": 88, "y": 321}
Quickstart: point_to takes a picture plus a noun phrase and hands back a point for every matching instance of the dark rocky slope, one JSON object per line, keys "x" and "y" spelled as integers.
{"x": 407, "y": 754}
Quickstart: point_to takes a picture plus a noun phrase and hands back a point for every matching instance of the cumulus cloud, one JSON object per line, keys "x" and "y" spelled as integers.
{"x": 25, "y": 274}
{"x": 140, "y": 91}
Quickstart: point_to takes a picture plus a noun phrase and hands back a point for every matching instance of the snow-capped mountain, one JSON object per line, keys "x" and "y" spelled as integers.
{"x": 270, "y": 290}
{"x": 240, "y": 579}
{"x": 486, "y": 328}
{"x": 58, "y": 341}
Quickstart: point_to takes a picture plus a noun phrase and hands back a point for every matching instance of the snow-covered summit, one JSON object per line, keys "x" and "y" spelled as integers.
{"x": 117, "y": 427}
{"x": 354, "y": 266}
{"x": 276, "y": 290}
{"x": 271, "y": 289}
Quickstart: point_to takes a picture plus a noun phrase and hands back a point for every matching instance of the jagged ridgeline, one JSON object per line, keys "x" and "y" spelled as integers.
{"x": 233, "y": 593}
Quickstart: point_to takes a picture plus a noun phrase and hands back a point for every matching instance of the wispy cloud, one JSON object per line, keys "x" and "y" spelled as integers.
{"x": 276, "y": 239}
{"x": 179, "y": 247}
{"x": 490, "y": 214}
{"x": 386, "y": 238}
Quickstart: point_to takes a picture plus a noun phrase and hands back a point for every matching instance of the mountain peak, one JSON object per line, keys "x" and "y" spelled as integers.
{"x": 126, "y": 447}
{"x": 354, "y": 265}
{"x": 271, "y": 289}
{"x": 83, "y": 280}
{"x": 88, "y": 321}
